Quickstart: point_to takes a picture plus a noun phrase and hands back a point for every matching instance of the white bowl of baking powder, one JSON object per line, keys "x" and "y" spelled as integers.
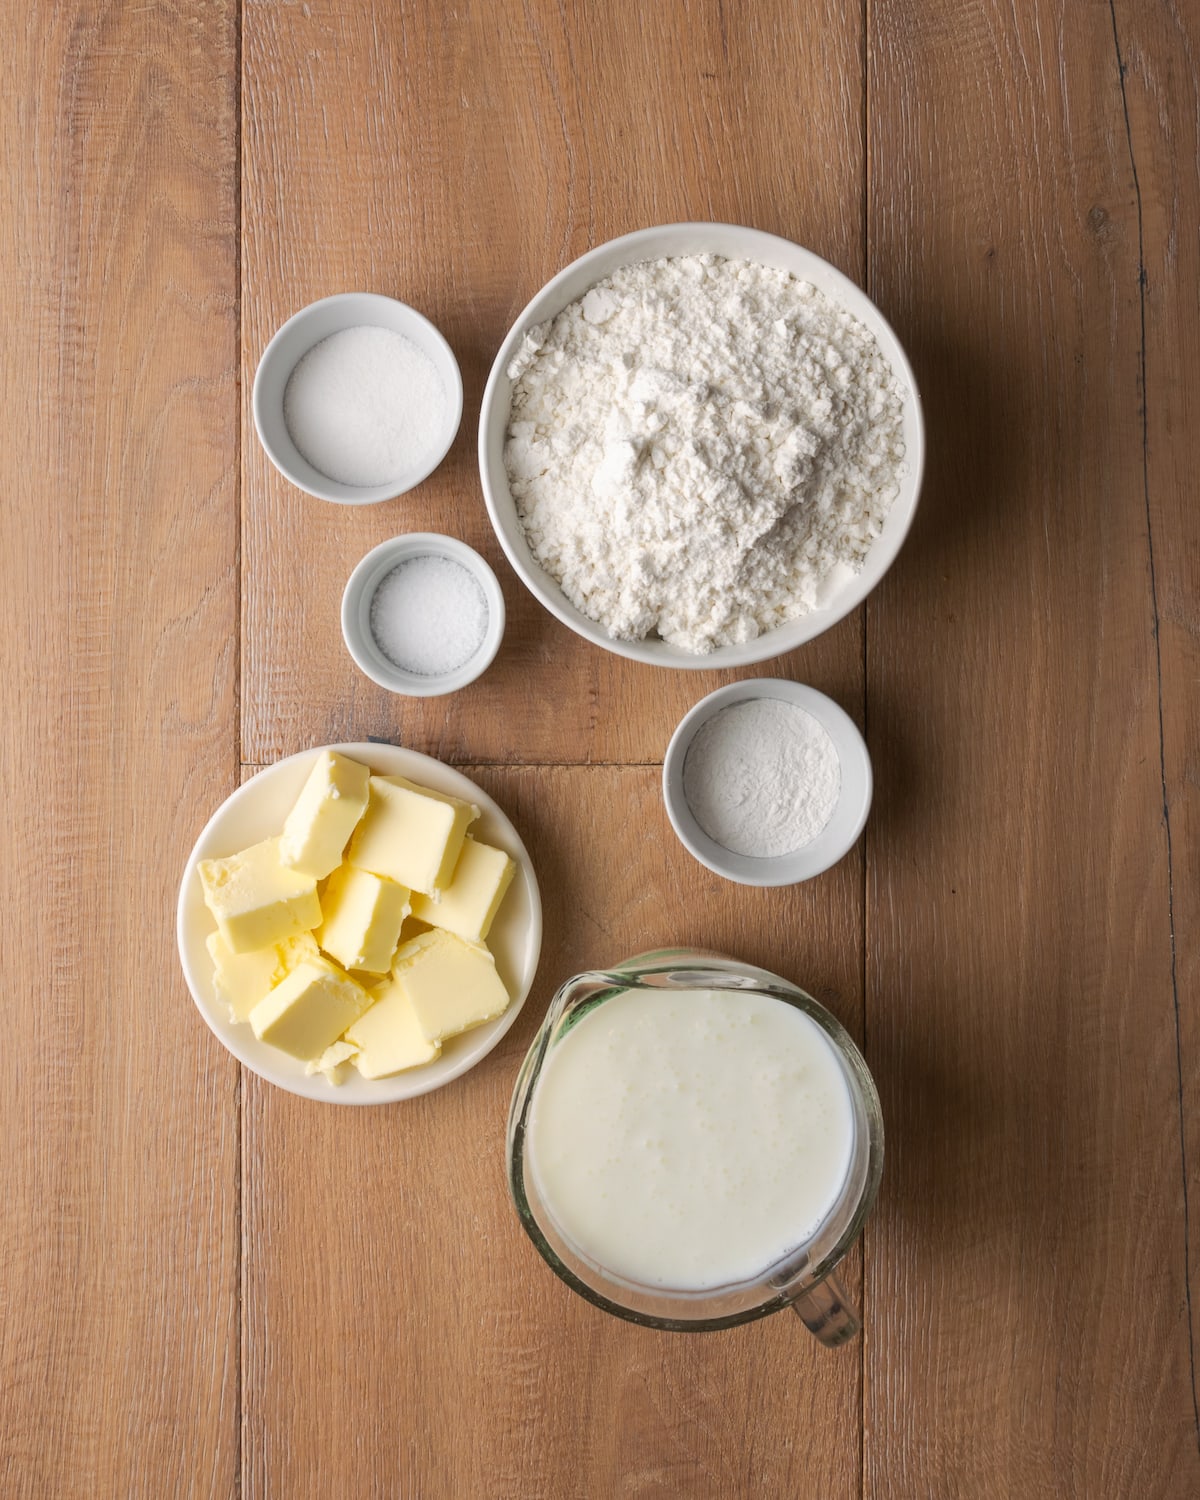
{"x": 845, "y": 590}
{"x": 767, "y": 782}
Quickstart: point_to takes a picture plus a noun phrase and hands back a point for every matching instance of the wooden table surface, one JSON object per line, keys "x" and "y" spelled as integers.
{"x": 211, "y": 1288}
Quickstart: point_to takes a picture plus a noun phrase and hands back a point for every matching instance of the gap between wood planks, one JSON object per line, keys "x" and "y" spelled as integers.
{"x": 505, "y": 765}
{"x": 866, "y": 847}
{"x": 239, "y": 1086}
{"x": 1162, "y": 749}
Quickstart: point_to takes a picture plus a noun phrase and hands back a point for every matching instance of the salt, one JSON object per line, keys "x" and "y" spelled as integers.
{"x": 762, "y": 778}
{"x": 429, "y": 616}
{"x": 366, "y": 407}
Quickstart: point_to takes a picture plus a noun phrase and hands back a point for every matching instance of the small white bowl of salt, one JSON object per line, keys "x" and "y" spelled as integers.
{"x": 357, "y": 398}
{"x": 767, "y": 782}
{"x": 423, "y": 615}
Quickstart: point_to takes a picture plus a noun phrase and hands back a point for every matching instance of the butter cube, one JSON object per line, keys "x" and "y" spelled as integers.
{"x": 451, "y": 984}
{"x": 309, "y": 1009}
{"x": 333, "y": 799}
{"x": 256, "y": 899}
{"x": 469, "y": 903}
{"x": 332, "y": 1062}
{"x": 243, "y": 979}
{"x": 388, "y": 1036}
{"x": 411, "y": 835}
{"x": 363, "y": 914}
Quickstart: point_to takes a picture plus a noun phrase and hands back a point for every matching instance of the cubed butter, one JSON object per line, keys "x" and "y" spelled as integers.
{"x": 332, "y": 801}
{"x": 411, "y": 835}
{"x": 451, "y": 984}
{"x": 332, "y": 1062}
{"x": 309, "y": 1009}
{"x": 363, "y": 914}
{"x": 389, "y": 1037}
{"x": 243, "y": 979}
{"x": 256, "y": 899}
{"x": 469, "y": 903}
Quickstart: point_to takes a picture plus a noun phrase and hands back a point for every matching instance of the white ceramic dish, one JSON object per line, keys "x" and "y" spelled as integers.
{"x": 738, "y": 243}
{"x": 298, "y": 335}
{"x": 257, "y": 811}
{"x": 356, "y": 614}
{"x": 840, "y": 833}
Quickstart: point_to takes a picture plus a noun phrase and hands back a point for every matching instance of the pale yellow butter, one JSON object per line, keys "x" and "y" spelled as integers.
{"x": 411, "y": 835}
{"x": 363, "y": 914}
{"x": 469, "y": 903}
{"x": 451, "y": 984}
{"x": 389, "y": 1037}
{"x": 256, "y": 899}
{"x": 309, "y": 1009}
{"x": 332, "y": 1062}
{"x": 243, "y": 979}
{"x": 332, "y": 801}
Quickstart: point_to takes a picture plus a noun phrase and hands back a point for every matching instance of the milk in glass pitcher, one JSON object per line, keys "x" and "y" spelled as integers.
{"x": 694, "y": 1142}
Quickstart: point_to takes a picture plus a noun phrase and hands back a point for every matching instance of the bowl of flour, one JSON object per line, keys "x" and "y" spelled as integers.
{"x": 701, "y": 446}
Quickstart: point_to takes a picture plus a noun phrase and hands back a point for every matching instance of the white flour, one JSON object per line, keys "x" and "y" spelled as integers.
{"x": 762, "y": 777}
{"x": 702, "y": 448}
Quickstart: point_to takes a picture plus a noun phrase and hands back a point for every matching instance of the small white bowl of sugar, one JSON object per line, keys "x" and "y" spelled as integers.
{"x": 767, "y": 782}
{"x": 357, "y": 398}
{"x": 423, "y": 615}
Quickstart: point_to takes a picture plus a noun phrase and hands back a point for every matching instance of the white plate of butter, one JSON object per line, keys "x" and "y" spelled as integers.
{"x": 305, "y": 985}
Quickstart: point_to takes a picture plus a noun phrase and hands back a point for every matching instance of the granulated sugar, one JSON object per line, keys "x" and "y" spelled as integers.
{"x": 429, "y": 616}
{"x": 702, "y": 448}
{"x": 762, "y": 778}
{"x": 366, "y": 406}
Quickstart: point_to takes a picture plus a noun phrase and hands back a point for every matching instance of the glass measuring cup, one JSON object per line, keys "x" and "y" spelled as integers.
{"x": 803, "y": 1278}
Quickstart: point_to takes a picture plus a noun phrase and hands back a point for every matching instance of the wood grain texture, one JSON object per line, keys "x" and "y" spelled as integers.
{"x": 118, "y": 1353}
{"x": 457, "y": 158}
{"x": 208, "y": 1287}
{"x": 556, "y": 128}
{"x": 402, "y": 1335}
{"x": 1027, "y": 1301}
{"x": 1159, "y": 53}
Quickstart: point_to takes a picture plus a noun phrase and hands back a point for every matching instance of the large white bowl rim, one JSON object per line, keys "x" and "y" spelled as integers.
{"x": 736, "y": 243}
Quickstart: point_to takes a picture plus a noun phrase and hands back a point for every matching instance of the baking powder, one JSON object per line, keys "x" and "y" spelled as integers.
{"x": 366, "y": 406}
{"x": 762, "y": 777}
{"x": 429, "y": 616}
{"x": 701, "y": 449}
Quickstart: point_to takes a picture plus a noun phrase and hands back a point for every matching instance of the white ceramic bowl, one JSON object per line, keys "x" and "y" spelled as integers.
{"x": 298, "y": 335}
{"x": 849, "y": 815}
{"x": 737, "y": 243}
{"x": 356, "y": 614}
{"x": 257, "y": 811}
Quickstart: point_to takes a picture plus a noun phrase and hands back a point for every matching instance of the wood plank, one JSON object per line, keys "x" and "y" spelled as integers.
{"x": 1027, "y": 1327}
{"x": 457, "y": 158}
{"x": 1160, "y": 53}
{"x": 118, "y": 258}
{"x": 404, "y": 153}
{"x": 401, "y": 1334}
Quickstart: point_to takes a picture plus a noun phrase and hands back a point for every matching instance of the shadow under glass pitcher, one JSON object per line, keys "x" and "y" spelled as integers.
{"x": 801, "y": 1278}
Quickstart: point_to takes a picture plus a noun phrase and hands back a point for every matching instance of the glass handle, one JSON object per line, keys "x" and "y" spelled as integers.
{"x": 828, "y": 1313}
